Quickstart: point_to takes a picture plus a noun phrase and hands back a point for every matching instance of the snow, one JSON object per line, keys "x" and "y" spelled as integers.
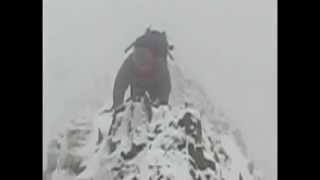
{"x": 186, "y": 139}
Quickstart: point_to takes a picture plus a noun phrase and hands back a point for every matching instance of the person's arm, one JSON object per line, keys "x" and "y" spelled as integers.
{"x": 122, "y": 82}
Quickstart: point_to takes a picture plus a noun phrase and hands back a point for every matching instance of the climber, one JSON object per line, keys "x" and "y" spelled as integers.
{"x": 145, "y": 70}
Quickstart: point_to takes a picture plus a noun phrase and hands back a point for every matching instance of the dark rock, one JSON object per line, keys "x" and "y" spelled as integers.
{"x": 216, "y": 158}
{"x": 192, "y": 128}
{"x": 200, "y": 161}
{"x": 100, "y": 137}
{"x": 221, "y": 151}
{"x": 240, "y": 176}
{"x": 182, "y": 145}
{"x": 135, "y": 149}
{"x": 208, "y": 177}
{"x": 157, "y": 130}
{"x": 193, "y": 175}
{"x": 160, "y": 177}
{"x": 113, "y": 128}
{"x": 251, "y": 167}
{"x": 73, "y": 164}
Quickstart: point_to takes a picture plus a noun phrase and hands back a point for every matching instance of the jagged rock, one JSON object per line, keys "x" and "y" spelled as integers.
{"x": 142, "y": 142}
{"x": 135, "y": 149}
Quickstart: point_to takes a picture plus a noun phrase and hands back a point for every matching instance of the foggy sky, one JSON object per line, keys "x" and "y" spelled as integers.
{"x": 228, "y": 46}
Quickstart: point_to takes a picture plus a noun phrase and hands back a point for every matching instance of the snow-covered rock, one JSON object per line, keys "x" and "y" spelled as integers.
{"x": 187, "y": 140}
{"x": 164, "y": 143}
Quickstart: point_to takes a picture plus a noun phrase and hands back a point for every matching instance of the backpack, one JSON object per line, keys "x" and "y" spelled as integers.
{"x": 148, "y": 50}
{"x": 154, "y": 40}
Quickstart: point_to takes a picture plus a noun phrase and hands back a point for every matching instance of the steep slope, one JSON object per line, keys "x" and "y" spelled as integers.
{"x": 188, "y": 140}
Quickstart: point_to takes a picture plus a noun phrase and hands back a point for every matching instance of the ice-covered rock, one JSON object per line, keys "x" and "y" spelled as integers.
{"x": 187, "y": 140}
{"x": 164, "y": 143}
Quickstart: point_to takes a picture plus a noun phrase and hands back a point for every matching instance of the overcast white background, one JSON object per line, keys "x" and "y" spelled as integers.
{"x": 228, "y": 46}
